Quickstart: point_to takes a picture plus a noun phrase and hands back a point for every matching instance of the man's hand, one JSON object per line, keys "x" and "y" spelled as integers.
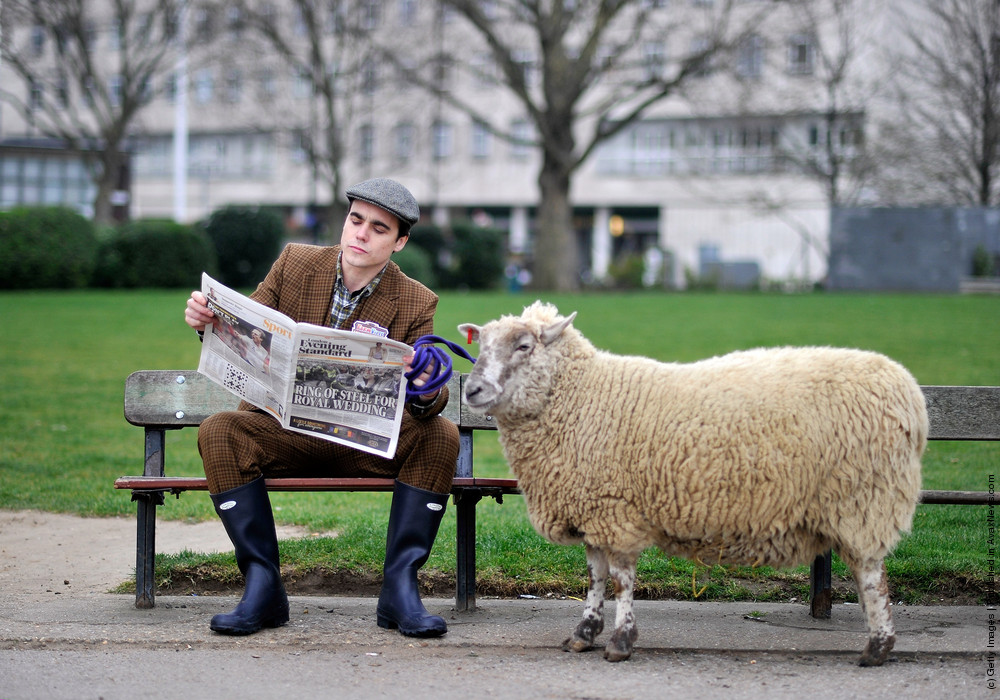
{"x": 420, "y": 379}
{"x": 197, "y": 314}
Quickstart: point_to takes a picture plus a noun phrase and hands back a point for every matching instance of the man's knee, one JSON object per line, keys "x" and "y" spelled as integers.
{"x": 217, "y": 432}
{"x": 227, "y": 453}
{"x": 440, "y": 437}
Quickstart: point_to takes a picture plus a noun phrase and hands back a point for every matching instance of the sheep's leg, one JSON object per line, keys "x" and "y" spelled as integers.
{"x": 873, "y": 594}
{"x": 592, "y": 623}
{"x": 622, "y": 568}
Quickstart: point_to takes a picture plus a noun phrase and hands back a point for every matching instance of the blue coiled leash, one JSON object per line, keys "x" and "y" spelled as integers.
{"x": 425, "y": 356}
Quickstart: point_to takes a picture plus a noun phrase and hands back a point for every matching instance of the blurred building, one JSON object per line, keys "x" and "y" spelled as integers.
{"x": 722, "y": 166}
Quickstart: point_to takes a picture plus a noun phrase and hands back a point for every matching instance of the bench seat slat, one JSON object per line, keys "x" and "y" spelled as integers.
{"x": 186, "y": 483}
{"x": 958, "y": 497}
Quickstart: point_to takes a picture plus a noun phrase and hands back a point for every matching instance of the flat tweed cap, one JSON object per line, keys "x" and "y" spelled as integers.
{"x": 389, "y": 195}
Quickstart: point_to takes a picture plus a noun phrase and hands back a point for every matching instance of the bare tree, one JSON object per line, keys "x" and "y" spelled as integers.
{"x": 941, "y": 139}
{"x": 85, "y": 76}
{"x": 326, "y": 47}
{"x": 834, "y": 154}
{"x": 822, "y": 134}
{"x": 580, "y": 75}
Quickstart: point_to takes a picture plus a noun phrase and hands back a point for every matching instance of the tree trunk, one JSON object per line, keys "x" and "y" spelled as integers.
{"x": 556, "y": 258}
{"x": 108, "y": 167}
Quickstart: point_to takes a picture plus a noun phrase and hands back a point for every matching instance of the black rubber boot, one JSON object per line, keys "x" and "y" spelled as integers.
{"x": 413, "y": 524}
{"x": 246, "y": 513}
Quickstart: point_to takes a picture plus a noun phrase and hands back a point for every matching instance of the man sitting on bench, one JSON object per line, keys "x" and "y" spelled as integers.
{"x": 337, "y": 286}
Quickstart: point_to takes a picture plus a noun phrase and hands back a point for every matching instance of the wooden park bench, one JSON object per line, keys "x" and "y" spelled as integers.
{"x": 955, "y": 413}
{"x": 162, "y": 400}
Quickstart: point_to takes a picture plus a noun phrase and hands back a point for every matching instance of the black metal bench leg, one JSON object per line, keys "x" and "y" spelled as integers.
{"x": 145, "y": 549}
{"x": 465, "y": 550}
{"x": 821, "y": 586}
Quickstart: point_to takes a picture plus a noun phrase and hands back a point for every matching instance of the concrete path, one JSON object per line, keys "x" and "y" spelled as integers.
{"x": 67, "y": 638}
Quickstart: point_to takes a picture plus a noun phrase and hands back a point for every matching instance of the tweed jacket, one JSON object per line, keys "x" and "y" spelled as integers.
{"x": 300, "y": 285}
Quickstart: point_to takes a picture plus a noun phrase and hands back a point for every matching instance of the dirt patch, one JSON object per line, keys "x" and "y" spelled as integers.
{"x": 51, "y": 552}
{"x": 55, "y": 552}
{"x": 324, "y": 582}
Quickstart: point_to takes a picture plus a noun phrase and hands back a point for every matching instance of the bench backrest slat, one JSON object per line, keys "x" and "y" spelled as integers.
{"x": 963, "y": 412}
{"x": 168, "y": 399}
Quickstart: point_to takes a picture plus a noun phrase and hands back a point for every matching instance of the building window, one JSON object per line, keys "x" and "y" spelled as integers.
{"x": 526, "y": 60}
{"x": 303, "y": 83}
{"x": 482, "y": 140}
{"x": 90, "y": 35}
{"x": 268, "y": 86}
{"x": 442, "y": 72}
{"x": 235, "y": 23}
{"x": 522, "y": 139}
{"x": 442, "y": 135}
{"x": 37, "y": 41}
{"x": 115, "y": 90}
{"x": 300, "y": 27}
{"x": 335, "y": 20}
{"x": 407, "y": 13}
{"x": 36, "y": 95}
{"x": 62, "y": 91}
{"x": 115, "y": 36}
{"x": 366, "y": 141}
{"x": 484, "y": 70}
{"x": 300, "y": 146}
{"x": 699, "y": 51}
{"x": 405, "y": 69}
{"x": 171, "y": 23}
{"x": 654, "y": 55}
{"x": 801, "y": 54}
{"x": 153, "y": 156}
{"x": 404, "y": 141}
{"x": 369, "y": 76}
{"x": 750, "y": 57}
{"x": 146, "y": 90}
{"x": 234, "y": 86}
{"x": 203, "y": 86}
{"x": 170, "y": 88}
{"x": 204, "y": 25}
{"x": 46, "y": 179}
{"x": 88, "y": 91}
{"x": 371, "y": 12}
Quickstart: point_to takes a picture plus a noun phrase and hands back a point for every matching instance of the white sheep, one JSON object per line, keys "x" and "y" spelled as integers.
{"x": 762, "y": 457}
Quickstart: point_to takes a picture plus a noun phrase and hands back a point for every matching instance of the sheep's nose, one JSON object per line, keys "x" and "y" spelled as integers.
{"x": 471, "y": 390}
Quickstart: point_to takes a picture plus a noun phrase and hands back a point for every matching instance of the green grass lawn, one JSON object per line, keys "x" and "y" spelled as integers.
{"x": 63, "y": 439}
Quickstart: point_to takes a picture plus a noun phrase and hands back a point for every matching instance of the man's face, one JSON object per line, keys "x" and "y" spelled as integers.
{"x": 369, "y": 237}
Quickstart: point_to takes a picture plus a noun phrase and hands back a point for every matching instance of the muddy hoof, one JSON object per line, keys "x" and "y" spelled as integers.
{"x": 877, "y": 651}
{"x": 576, "y": 644}
{"x": 619, "y": 647}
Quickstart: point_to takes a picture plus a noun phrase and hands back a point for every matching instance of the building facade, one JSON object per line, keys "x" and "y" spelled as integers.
{"x": 723, "y": 171}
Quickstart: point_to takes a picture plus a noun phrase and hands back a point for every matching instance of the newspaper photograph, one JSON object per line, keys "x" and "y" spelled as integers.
{"x": 343, "y": 386}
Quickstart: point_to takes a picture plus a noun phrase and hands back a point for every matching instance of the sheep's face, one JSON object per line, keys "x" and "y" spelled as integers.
{"x": 513, "y": 372}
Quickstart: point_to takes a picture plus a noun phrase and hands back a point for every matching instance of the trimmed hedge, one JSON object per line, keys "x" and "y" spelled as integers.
{"x": 478, "y": 257}
{"x": 416, "y": 264}
{"x": 247, "y": 241}
{"x": 46, "y": 247}
{"x": 471, "y": 257}
{"x": 154, "y": 253}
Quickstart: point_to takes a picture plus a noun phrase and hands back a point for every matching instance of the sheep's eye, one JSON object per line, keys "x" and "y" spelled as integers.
{"x": 523, "y": 347}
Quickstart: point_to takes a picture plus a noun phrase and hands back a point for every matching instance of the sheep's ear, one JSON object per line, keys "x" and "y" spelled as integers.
{"x": 470, "y": 331}
{"x": 552, "y": 332}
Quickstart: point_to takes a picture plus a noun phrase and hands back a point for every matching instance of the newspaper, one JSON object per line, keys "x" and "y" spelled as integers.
{"x": 343, "y": 386}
